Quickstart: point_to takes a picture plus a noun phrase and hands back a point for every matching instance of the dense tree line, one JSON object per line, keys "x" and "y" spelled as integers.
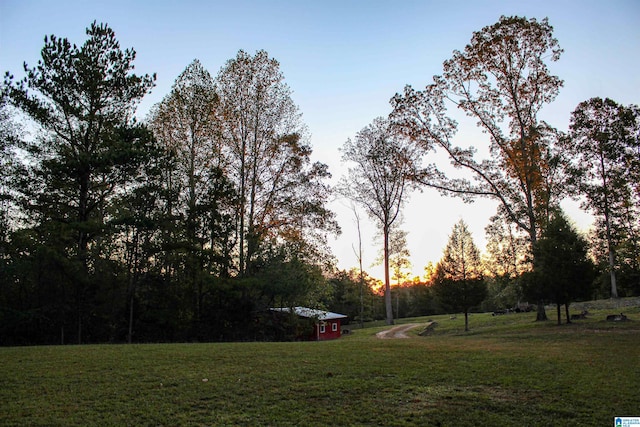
{"x": 186, "y": 227}
{"x": 191, "y": 224}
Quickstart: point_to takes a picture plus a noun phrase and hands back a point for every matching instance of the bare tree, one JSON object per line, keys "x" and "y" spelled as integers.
{"x": 359, "y": 254}
{"x": 379, "y": 180}
{"x": 281, "y": 194}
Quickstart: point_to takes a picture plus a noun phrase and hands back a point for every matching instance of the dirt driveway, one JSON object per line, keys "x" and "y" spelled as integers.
{"x": 397, "y": 331}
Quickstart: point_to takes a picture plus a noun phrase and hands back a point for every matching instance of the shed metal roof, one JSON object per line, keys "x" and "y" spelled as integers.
{"x": 312, "y": 313}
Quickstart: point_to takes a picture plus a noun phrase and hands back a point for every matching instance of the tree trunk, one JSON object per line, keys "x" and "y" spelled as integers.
{"x": 612, "y": 256}
{"x": 83, "y": 247}
{"x": 566, "y": 309}
{"x": 130, "y": 333}
{"x": 541, "y": 314}
{"x": 466, "y": 321}
{"x": 242, "y": 198}
{"x": 559, "y": 315}
{"x": 132, "y": 268}
{"x": 387, "y": 283}
{"x": 359, "y": 256}
{"x": 614, "y": 287}
{"x": 607, "y": 224}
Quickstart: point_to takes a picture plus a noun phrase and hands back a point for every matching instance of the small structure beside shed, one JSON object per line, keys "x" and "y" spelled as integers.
{"x": 327, "y": 325}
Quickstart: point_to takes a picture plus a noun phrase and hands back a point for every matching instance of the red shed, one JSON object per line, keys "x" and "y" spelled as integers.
{"x": 327, "y": 325}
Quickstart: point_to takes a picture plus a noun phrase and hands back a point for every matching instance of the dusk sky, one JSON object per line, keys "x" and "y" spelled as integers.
{"x": 343, "y": 61}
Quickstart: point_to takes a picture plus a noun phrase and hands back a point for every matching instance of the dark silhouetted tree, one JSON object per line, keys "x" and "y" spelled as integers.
{"x": 459, "y": 283}
{"x": 506, "y": 258}
{"x": 82, "y": 99}
{"x": 187, "y": 125}
{"x": 601, "y": 148}
{"x": 562, "y": 270}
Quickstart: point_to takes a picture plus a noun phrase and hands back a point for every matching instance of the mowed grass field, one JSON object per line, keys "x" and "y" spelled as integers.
{"x": 508, "y": 370}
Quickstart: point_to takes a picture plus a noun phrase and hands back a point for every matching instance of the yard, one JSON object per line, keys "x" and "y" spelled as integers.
{"x": 508, "y": 370}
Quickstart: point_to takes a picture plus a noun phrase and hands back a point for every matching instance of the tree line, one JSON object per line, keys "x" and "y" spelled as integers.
{"x": 502, "y": 80}
{"x": 190, "y": 225}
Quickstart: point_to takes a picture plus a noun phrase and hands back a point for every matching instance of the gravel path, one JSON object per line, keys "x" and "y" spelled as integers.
{"x": 397, "y": 331}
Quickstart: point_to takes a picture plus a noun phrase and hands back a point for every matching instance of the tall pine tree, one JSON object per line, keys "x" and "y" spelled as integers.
{"x": 459, "y": 283}
{"x": 82, "y": 100}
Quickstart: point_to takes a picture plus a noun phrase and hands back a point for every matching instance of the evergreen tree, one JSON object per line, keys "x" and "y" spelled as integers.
{"x": 87, "y": 149}
{"x": 562, "y": 271}
{"x": 459, "y": 282}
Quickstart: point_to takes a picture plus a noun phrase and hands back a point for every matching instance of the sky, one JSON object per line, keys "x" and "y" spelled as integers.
{"x": 343, "y": 61}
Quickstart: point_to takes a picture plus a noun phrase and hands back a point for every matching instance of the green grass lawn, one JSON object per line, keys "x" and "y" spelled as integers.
{"x": 508, "y": 370}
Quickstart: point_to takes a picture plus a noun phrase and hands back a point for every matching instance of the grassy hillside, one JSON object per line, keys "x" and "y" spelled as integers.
{"x": 508, "y": 370}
